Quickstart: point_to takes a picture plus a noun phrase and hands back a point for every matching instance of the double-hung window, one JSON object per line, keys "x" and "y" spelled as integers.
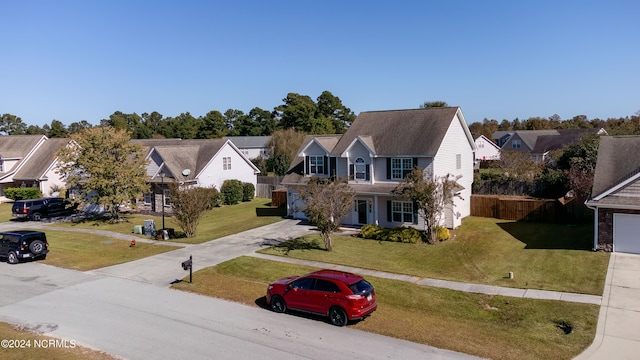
{"x": 148, "y": 197}
{"x": 402, "y": 211}
{"x": 226, "y": 163}
{"x": 360, "y": 169}
{"x": 316, "y": 164}
{"x": 400, "y": 167}
{"x": 516, "y": 143}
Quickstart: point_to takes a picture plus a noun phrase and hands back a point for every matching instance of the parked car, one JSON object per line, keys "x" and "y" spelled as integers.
{"x": 36, "y": 209}
{"x": 23, "y": 244}
{"x": 341, "y": 296}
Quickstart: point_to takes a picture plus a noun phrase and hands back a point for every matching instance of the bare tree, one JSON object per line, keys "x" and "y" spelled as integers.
{"x": 326, "y": 202}
{"x": 430, "y": 196}
{"x": 188, "y": 205}
{"x": 284, "y": 146}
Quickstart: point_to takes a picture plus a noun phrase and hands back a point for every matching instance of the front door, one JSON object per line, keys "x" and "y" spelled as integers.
{"x": 362, "y": 212}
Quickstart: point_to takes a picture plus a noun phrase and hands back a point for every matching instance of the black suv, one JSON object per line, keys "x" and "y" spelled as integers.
{"x": 23, "y": 244}
{"x": 36, "y": 209}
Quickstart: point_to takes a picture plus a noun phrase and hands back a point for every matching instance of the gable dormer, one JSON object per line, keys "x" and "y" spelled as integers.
{"x": 317, "y": 158}
{"x": 360, "y": 154}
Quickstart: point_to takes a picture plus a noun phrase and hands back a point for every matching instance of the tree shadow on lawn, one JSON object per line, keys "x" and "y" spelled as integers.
{"x": 551, "y": 236}
{"x": 288, "y": 245}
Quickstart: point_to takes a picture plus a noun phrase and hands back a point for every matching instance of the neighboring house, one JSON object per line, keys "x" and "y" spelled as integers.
{"x": 375, "y": 154}
{"x": 500, "y": 137}
{"x": 29, "y": 161}
{"x": 252, "y": 146}
{"x": 486, "y": 149}
{"x": 538, "y": 143}
{"x": 203, "y": 163}
{"x": 615, "y": 195}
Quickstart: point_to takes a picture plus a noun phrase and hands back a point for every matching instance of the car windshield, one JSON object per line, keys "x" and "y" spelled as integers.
{"x": 361, "y": 287}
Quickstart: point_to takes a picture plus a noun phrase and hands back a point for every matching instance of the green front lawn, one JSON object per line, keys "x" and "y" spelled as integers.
{"x": 495, "y": 327}
{"x": 215, "y": 223}
{"x": 85, "y": 251}
{"x": 483, "y": 251}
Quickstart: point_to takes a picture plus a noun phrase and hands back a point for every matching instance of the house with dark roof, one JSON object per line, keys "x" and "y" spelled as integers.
{"x": 252, "y": 146}
{"x": 615, "y": 195}
{"x": 30, "y": 161}
{"x": 538, "y": 143}
{"x": 376, "y": 153}
{"x": 202, "y": 162}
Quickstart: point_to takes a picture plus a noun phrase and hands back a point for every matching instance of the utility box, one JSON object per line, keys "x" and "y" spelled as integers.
{"x": 150, "y": 228}
{"x": 137, "y": 229}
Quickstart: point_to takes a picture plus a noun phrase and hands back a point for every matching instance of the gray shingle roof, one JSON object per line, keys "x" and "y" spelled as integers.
{"x": 401, "y": 132}
{"x": 179, "y": 155}
{"x": 618, "y": 160}
{"x": 36, "y": 166}
{"x": 247, "y": 142}
{"x": 17, "y": 146}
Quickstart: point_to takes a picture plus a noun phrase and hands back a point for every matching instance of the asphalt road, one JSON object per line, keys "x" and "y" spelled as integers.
{"x": 129, "y": 311}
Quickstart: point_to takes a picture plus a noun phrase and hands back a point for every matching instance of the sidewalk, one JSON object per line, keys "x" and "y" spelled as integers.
{"x": 453, "y": 285}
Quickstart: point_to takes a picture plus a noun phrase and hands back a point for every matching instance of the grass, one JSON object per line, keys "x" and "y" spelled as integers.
{"x": 36, "y": 349}
{"x": 84, "y": 251}
{"x": 215, "y": 223}
{"x": 484, "y": 251}
{"x": 495, "y": 327}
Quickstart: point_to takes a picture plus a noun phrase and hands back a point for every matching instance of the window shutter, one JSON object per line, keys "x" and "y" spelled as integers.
{"x": 368, "y": 172}
{"x": 352, "y": 174}
{"x": 415, "y": 212}
{"x": 306, "y": 165}
{"x": 326, "y": 165}
{"x": 389, "y": 210}
{"x": 415, "y": 162}
{"x": 332, "y": 165}
{"x": 388, "y": 168}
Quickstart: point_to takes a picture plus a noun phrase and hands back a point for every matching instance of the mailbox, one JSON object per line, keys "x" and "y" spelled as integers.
{"x": 186, "y": 265}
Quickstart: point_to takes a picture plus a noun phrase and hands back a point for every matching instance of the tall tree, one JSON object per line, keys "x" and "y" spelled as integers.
{"x": 75, "y": 127}
{"x": 327, "y": 201}
{"x": 431, "y": 104}
{"x": 331, "y": 108}
{"x": 301, "y": 113}
{"x": 265, "y": 118}
{"x": 284, "y": 145}
{"x": 12, "y": 125}
{"x": 213, "y": 126}
{"x": 430, "y": 196}
{"x": 57, "y": 130}
{"x": 105, "y": 166}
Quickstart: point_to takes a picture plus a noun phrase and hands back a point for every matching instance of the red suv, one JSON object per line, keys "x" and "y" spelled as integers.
{"x": 339, "y": 295}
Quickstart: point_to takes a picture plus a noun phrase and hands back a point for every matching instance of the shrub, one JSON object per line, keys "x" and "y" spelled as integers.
{"x": 22, "y": 193}
{"x": 248, "y": 191}
{"x": 442, "y": 233}
{"x": 216, "y": 198}
{"x": 232, "y": 191}
{"x": 372, "y": 231}
{"x": 399, "y": 234}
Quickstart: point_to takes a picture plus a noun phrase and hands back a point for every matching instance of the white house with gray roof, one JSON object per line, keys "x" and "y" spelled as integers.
{"x": 202, "y": 163}
{"x": 375, "y": 154}
{"x": 252, "y": 146}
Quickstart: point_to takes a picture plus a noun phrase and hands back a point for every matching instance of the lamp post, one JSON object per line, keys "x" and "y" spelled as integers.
{"x": 162, "y": 178}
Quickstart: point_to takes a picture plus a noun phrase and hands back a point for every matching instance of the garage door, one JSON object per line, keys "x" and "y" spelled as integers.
{"x": 626, "y": 233}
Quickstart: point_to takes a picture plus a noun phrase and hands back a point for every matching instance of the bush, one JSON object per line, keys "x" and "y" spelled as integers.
{"x": 442, "y": 233}
{"x": 399, "y": 234}
{"x": 372, "y": 231}
{"x": 22, "y": 193}
{"x": 216, "y": 198}
{"x": 232, "y": 191}
{"x": 248, "y": 191}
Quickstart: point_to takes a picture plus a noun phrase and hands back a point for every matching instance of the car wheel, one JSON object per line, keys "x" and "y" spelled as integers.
{"x": 277, "y": 304}
{"x": 337, "y": 316}
{"x": 36, "y": 216}
{"x": 36, "y": 247}
{"x": 12, "y": 258}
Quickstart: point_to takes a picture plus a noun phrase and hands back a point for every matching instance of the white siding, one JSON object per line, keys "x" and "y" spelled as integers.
{"x": 486, "y": 149}
{"x": 52, "y": 180}
{"x": 213, "y": 173}
{"x": 456, "y": 142}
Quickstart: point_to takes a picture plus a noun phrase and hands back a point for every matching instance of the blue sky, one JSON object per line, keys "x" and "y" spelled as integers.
{"x": 84, "y": 60}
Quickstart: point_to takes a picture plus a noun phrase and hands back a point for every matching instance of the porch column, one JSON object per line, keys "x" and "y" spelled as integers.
{"x": 375, "y": 210}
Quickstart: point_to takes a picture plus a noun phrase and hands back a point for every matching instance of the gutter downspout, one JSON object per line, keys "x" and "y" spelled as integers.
{"x": 595, "y": 228}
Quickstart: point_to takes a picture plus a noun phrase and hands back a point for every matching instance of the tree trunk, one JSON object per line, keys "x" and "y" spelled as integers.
{"x": 326, "y": 236}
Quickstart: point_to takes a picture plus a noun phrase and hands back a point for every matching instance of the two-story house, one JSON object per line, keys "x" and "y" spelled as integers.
{"x": 375, "y": 154}
{"x": 252, "y": 146}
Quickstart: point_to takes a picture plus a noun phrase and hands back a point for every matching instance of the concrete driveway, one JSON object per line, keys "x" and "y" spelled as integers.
{"x": 618, "y": 332}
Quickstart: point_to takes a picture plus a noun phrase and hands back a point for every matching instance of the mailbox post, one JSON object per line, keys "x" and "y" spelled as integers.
{"x": 188, "y": 265}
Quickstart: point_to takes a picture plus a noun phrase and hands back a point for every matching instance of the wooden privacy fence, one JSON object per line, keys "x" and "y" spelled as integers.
{"x": 518, "y": 208}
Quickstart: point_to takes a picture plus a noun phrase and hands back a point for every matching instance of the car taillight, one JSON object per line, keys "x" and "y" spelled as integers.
{"x": 355, "y": 297}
